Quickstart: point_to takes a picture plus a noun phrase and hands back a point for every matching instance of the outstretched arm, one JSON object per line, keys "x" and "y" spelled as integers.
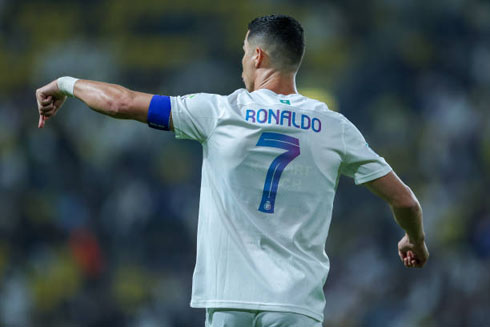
{"x": 408, "y": 214}
{"x": 109, "y": 99}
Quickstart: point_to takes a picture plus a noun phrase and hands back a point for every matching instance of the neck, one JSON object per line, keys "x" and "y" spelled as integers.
{"x": 277, "y": 82}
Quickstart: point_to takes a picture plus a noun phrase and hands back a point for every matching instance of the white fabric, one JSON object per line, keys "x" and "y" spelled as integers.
{"x": 66, "y": 84}
{"x": 250, "y": 259}
{"x": 252, "y": 318}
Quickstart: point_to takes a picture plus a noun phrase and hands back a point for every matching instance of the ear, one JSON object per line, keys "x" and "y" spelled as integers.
{"x": 258, "y": 57}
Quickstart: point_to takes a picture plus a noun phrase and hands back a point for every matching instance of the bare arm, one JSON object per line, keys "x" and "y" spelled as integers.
{"x": 408, "y": 214}
{"x": 109, "y": 99}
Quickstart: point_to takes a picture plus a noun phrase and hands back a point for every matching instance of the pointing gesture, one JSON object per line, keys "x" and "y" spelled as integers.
{"x": 49, "y": 100}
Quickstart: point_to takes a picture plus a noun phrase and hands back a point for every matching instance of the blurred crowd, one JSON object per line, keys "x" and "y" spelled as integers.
{"x": 98, "y": 217}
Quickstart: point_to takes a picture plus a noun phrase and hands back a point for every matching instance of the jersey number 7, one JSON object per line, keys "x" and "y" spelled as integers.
{"x": 281, "y": 141}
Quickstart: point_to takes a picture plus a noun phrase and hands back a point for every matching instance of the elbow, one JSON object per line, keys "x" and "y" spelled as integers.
{"x": 407, "y": 201}
{"x": 412, "y": 205}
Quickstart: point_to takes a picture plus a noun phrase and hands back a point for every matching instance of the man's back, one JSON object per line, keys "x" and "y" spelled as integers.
{"x": 271, "y": 165}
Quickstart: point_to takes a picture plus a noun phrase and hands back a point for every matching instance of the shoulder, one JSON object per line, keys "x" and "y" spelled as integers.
{"x": 198, "y": 97}
{"x": 240, "y": 96}
{"x": 213, "y": 97}
{"x": 322, "y": 108}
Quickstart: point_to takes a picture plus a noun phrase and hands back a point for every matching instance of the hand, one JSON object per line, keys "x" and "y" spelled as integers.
{"x": 49, "y": 100}
{"x": 412, "y": 254}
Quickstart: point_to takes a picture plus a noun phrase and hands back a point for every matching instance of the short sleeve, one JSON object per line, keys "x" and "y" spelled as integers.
{"x": 360, "y": 161}
{"x": 195, "y": 116}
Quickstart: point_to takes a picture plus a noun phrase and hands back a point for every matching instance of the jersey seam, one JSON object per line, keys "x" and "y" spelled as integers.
{"x": 343, "y": 138}
{"x": 211, "y": 133}
{"x": 175, "y": 114}
{"x": 344, "y": 147}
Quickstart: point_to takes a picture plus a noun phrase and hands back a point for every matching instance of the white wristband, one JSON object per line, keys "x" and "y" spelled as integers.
{"x": 66, "y": 85}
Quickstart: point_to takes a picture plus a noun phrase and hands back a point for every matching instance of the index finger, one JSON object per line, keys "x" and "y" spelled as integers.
{"x": 41, "y": 122}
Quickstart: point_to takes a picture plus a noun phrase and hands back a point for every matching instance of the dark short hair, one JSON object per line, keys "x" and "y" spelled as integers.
{"x": 283, "y": 36}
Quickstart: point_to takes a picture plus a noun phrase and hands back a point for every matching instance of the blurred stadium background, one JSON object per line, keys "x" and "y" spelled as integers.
{"x": 98, "y": 216}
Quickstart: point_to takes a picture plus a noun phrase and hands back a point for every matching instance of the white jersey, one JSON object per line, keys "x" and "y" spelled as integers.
{"x": 271, "y": 165}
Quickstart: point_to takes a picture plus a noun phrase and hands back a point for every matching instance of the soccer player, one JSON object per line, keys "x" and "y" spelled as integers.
{"x": 271, "y": 164}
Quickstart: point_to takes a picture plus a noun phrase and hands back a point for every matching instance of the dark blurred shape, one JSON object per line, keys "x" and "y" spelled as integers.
{"x": 86, "y": 252}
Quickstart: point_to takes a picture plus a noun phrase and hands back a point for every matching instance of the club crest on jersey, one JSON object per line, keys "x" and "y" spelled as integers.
{"x": 283, "y": 118}
{"x": 189, "y": 96}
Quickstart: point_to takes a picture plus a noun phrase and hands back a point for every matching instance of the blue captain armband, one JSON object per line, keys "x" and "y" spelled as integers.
{"x": 159, "y": 112}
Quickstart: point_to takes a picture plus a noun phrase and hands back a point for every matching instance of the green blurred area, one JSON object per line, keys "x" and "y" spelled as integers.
{"x": 98, "y": 217}
{"x": 150, "y": 38}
